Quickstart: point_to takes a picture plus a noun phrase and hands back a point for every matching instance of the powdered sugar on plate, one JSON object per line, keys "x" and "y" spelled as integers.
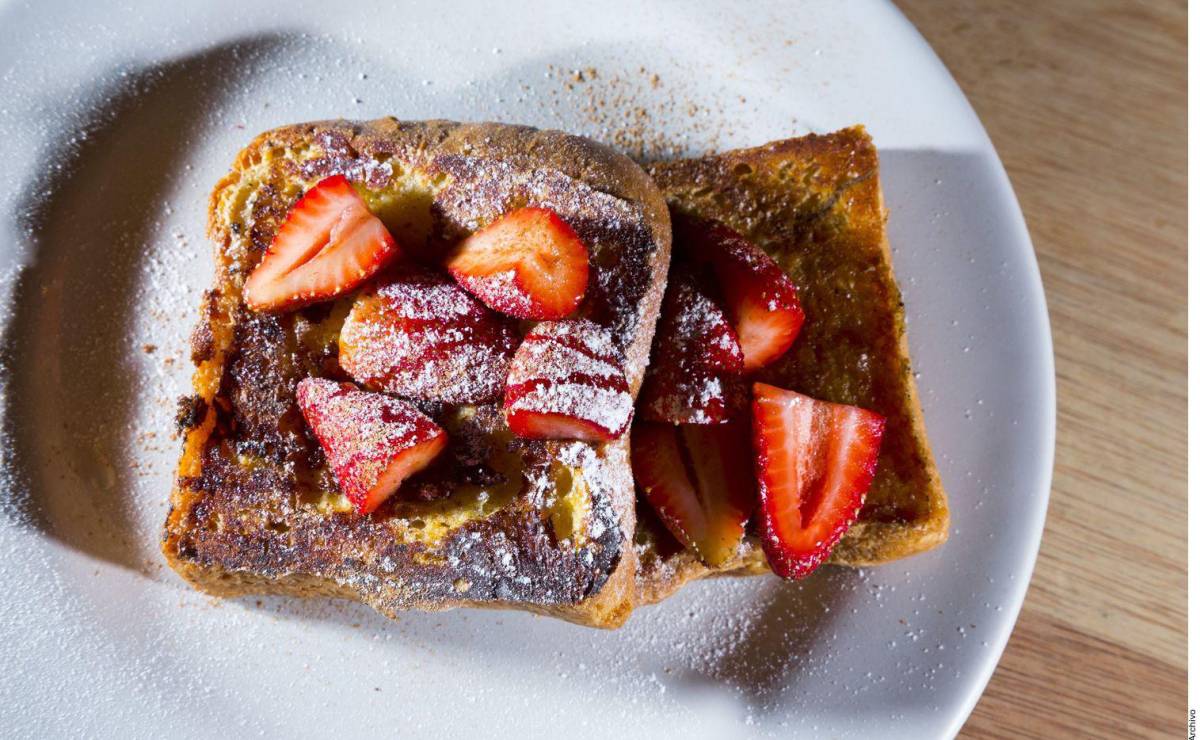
{"x": 117, "y": 121}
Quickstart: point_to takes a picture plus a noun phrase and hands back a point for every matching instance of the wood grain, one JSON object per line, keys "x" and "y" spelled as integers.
{"x": 1086, "y": 103}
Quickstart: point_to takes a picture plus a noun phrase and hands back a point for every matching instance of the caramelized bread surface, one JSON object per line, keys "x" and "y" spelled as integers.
{"x": 497, "y": 522}
{"x": 815, "y": 205}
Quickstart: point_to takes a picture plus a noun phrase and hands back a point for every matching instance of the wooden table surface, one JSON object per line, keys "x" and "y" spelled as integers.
{"x": 1086, "y": 103}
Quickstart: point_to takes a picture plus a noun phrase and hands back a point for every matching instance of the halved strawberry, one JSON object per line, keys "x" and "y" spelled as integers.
{"x": 566, "y": 382}
{"x": 761, "y": 299}
{"x": 372, "y": 441}
{"x": 528, "y": 263}
{"x": 694, "y": 362}
{"x": 422, "y": 336}
{"x": 329, "y": 243}
{"x": 816, "y": 461}
{"x": 698, "y": 479}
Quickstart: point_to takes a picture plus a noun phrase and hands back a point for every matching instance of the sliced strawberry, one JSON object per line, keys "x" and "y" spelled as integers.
{"x": 698, "y": 479}
{"x": 422, "y": 336}
{"x": 328, "y": 245}
{"x": 372, "y": 441}
{"x": 694, "y": 361}
{"x": 816, "y": 461}
{"x": 566, "y": 382}
{"x": 529, "y": 264}
{"x": 761, "y": 299}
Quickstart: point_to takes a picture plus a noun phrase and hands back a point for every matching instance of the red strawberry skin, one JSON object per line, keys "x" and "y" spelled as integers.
{"x": 329, "y": 244}
{"x": 529, "y": 264}
{"x": 694, "y": 362}
{"x": 371, "y": 441}
{"x": 698, "y": 479}
{"x": 420, "y": 335}
{"x": 763, "y": 302}
{"x": 815, "y": 463}
{"x": 567, "y": 381}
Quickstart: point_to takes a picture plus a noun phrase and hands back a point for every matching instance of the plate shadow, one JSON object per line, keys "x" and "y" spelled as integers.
{"x": 90, "y": 214}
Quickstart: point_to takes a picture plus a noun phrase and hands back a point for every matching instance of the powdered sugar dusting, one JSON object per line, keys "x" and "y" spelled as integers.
{"x": 422, "y": 336}
{"x": 607, "y": 408}
{"x": 555, "y": 362}
{"x": 427, "y": 298}
{"x": 572, "y": 369}
{"x": 598, "y": 476}
{"x": 337, "y": 158}
{"x": 694, "y": 361}
{"x": 516, "y": 300}
{"x": 703, "y": 326}
{"x": 594, "y": 339}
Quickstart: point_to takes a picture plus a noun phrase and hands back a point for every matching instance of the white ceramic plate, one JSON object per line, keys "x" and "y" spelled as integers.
{"x": 114, "y": 123}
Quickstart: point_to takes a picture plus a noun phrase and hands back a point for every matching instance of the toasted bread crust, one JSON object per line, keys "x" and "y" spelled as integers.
{"x": 236, "y": 528}
{"x": 815, "y": 204}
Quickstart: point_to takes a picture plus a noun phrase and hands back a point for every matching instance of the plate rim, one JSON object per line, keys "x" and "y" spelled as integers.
{"x": 1047, "y": 381}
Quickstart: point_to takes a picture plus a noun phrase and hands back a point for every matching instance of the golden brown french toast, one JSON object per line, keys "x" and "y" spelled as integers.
{"x": 815, "y": 205}
{"x": 544, "y": 526}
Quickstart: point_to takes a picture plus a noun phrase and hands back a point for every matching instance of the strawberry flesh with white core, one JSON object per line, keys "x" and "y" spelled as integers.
{"x": 529, "y": 264}
{"x": 699, "y": 480}
{"x": 329, "y": 244}
{"x": 815, "y": 463}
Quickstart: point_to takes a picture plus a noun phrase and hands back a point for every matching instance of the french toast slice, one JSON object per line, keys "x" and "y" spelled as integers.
{"x": 815, "y": 205}
{"x": 543, "y": 526}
